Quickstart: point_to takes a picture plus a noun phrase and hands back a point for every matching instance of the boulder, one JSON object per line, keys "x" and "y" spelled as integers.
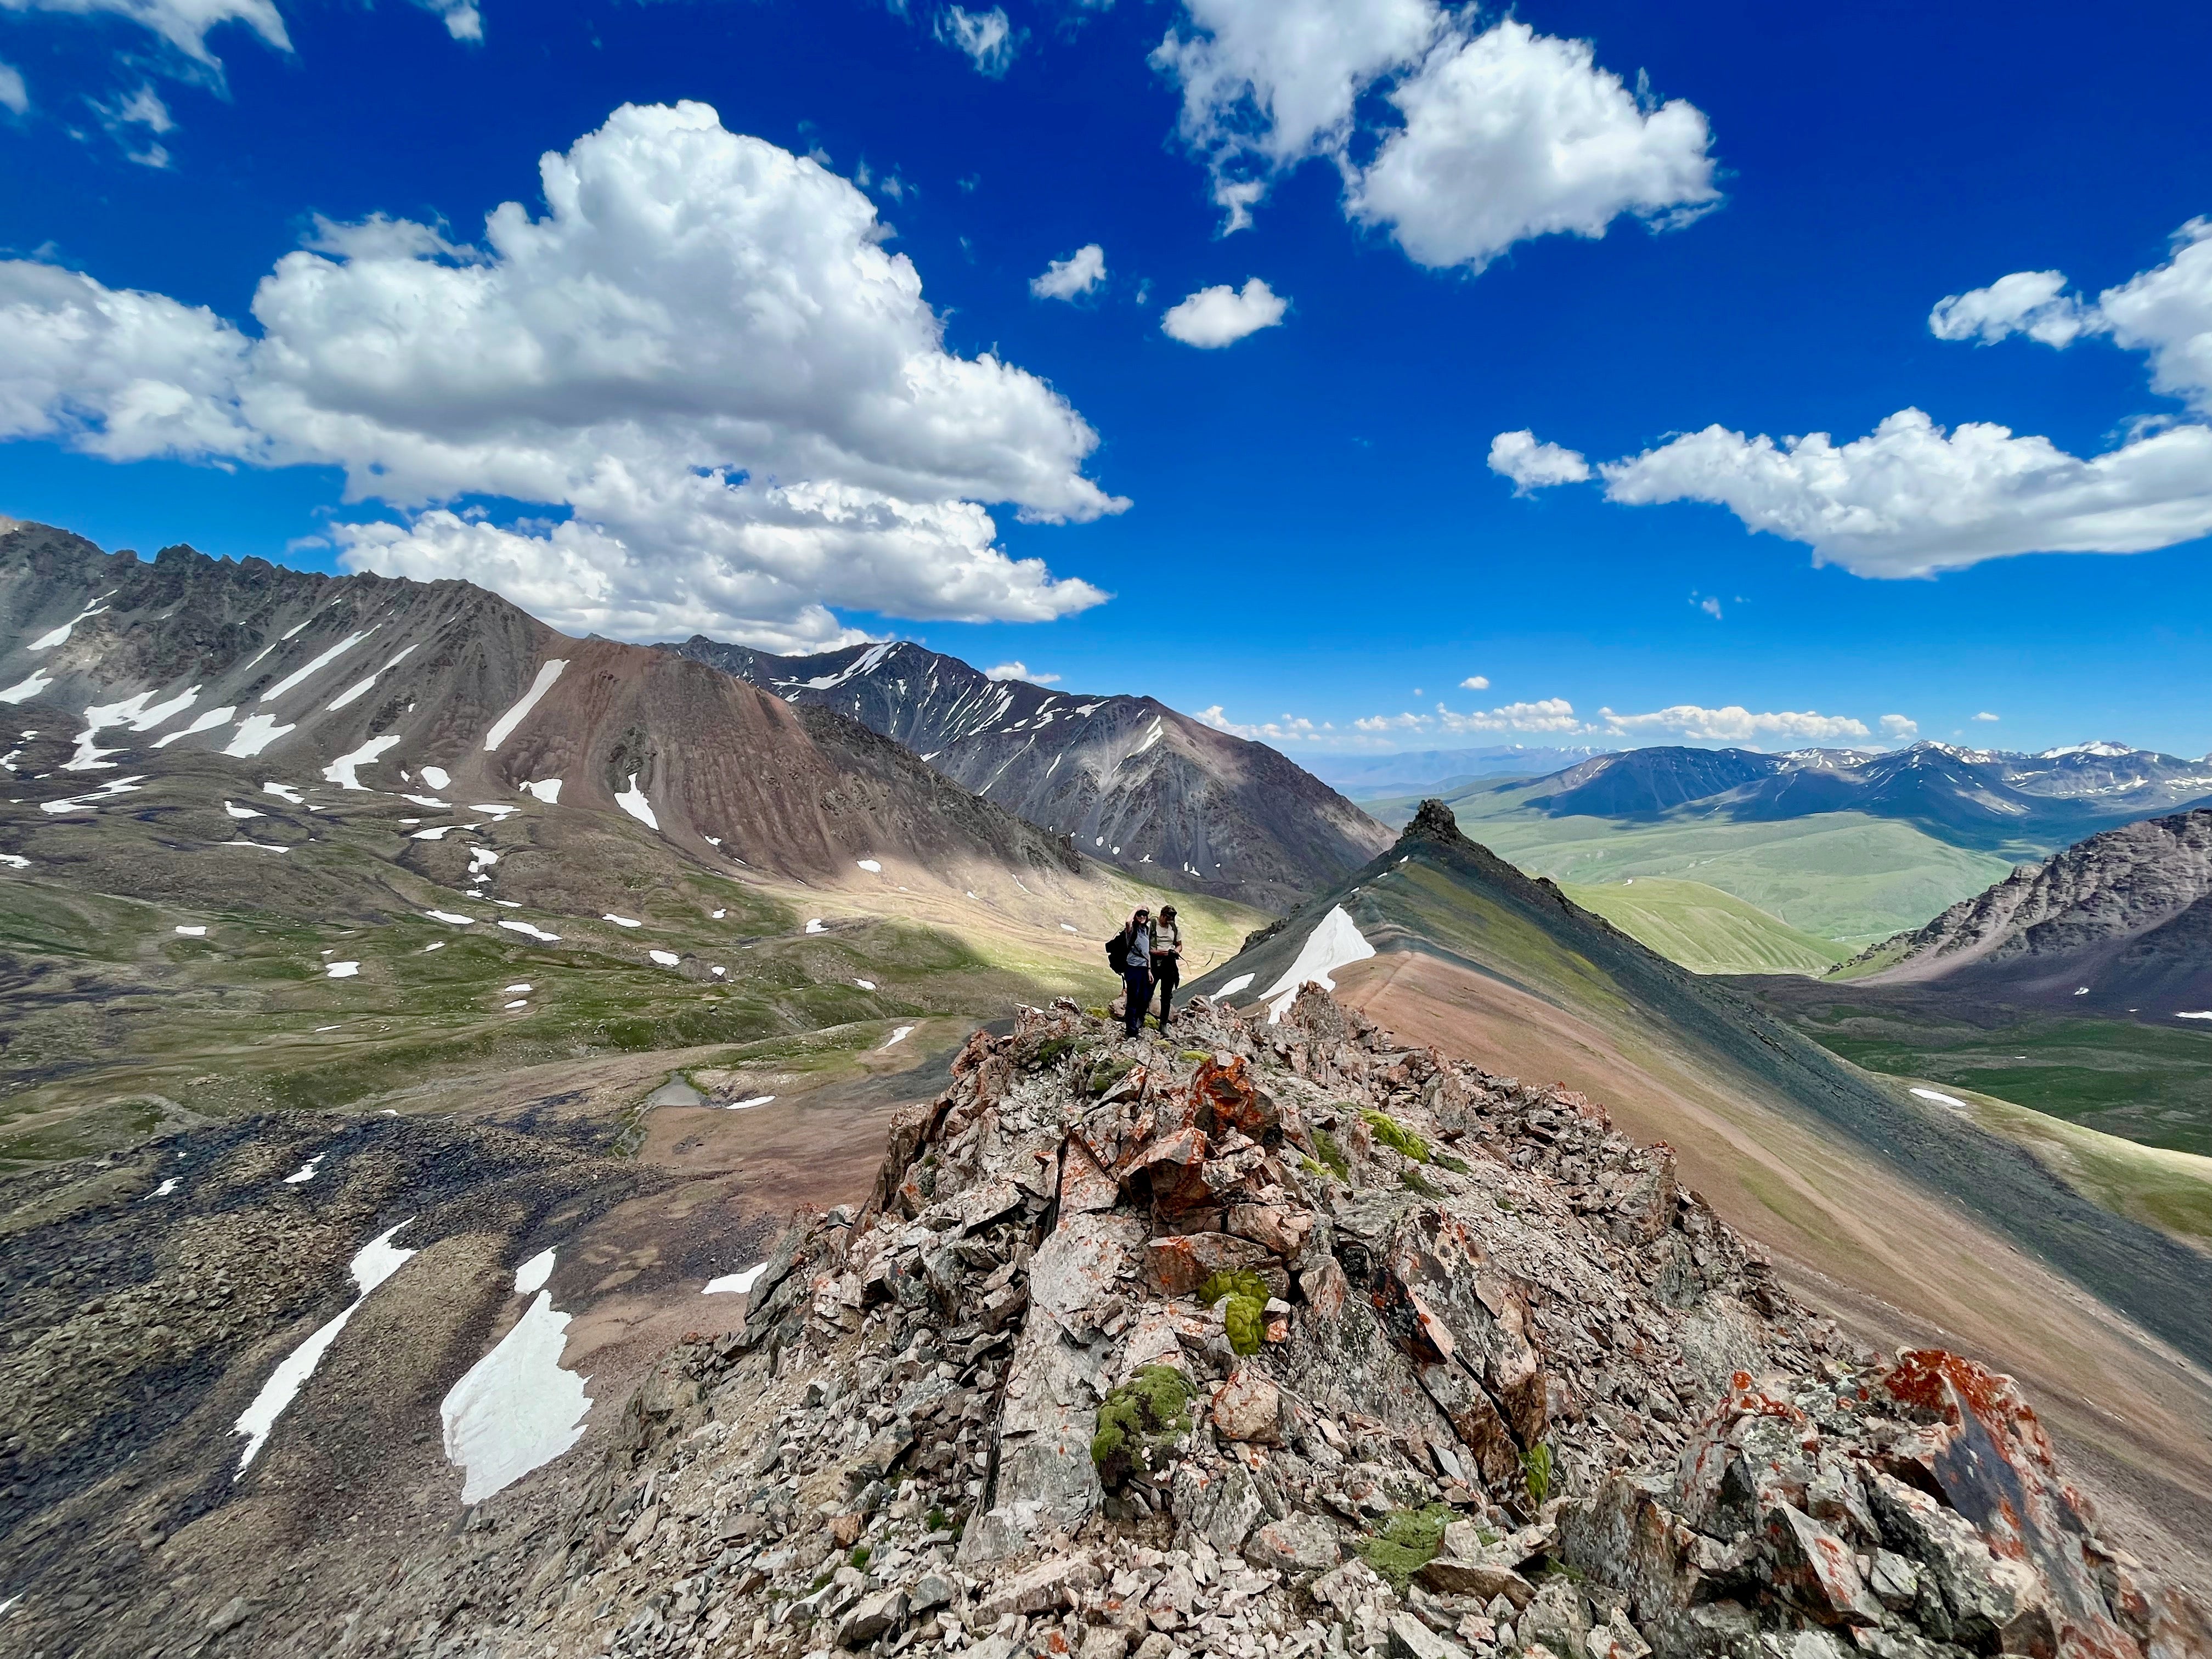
{"x": 1249, "y": 1406}
{"x": 1299, "y": 1547}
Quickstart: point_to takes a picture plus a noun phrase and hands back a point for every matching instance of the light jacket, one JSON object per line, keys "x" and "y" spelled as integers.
{"x": 1167, "y": 939}
{"x": 1140, "y": 949}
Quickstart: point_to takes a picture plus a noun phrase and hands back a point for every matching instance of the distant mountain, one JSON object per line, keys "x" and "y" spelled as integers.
{"x": 2121, "y": 922}
{"x": 1131, "y": 780}
{"x": 1869, "y": 1196}
{"x": 117, "y": 670}
{"x": 1429, "y": 771}
{"x": 1984, "y": 798}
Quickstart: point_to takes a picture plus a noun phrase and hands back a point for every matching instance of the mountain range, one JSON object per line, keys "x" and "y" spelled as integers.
{"x": 1130, "y": 780}
{"x": 1985, "y": 799}
{"x": 1438, "y": 771}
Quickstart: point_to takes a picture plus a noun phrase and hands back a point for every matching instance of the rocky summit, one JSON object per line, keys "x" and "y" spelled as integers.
{"x": 1277, "y": 1338}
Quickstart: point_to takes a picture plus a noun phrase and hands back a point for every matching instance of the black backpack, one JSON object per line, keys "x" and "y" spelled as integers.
{"x": 1117, "y": 951}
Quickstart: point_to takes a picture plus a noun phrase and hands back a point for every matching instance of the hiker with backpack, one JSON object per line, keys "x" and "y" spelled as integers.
{"x": 1167, "y": 958}
{"x": 1129, "y": 953}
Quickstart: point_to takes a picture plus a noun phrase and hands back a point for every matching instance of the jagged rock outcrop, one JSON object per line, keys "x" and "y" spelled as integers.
{"x": 1296, "y": 1341}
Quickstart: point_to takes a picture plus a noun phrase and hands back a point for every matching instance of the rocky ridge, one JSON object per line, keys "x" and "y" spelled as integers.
{"x": 2121, "y": 917}
{"x": 1292, "y": 1340}
{"x": 1135, "y": 782}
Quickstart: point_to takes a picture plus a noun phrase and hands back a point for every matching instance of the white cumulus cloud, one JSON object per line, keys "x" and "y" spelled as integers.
{"x": 1291, "y": 728}
{"x": 1222, "y": 315}
{"x": 1733, "y": 724}
{"x": 1501, "y": 134}
{"x": 1544, "y": 714}
{"x": 1899, "y": 727}
{"x": 1985, "y": 716}
{"x": 1475, "y": 682}
{"x": 1910, "y": 499}
{"x": 988, "y": 38}
{"x": 184, "y": 24}
{"x": 2030, "y": 302}
{"x": 2164, "y": 312}
{"x": 1510, "y": 135}
{"x": 1019, "y": 671}
{"x": 14, "y": 96}
{"x": 732, "y": 399}
{"x": 1533, "y": 464}
{"x": 1073, "y": 277}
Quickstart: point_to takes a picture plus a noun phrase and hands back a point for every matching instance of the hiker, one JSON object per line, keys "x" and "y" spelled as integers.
{"x": 1167, "y": 958}
{"x": 1136, "y": 942}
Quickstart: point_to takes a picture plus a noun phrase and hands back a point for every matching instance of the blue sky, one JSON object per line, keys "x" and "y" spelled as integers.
{"x": 678, "y": 405}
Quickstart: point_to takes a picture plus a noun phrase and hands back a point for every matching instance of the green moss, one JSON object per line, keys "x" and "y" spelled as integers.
{"x": 1319, "y": 1171}
{"x": 1457, "y": 1166}
{"x": 1413, "y": 1183}
{"x": 1245, "y": 1319}
{"x": 1138, "y": 1421}
{"x": 1332, "y": 1154}
{"x": 860, "y": 1556}
{"x": 1108, "y": 1073}
{"x": 1408, "y": 1540}
{"x": 1244, "y": 1282}
{"x": 1387, "y": 1130}
{"x": 935, "y": 1521}
{"x": 1194, "y": 1056}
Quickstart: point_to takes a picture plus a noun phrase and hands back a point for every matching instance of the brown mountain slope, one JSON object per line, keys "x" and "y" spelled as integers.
{"x": 2119, "y": 922}
{"x": 1134, "y": 783}
{"x": 123, "y": 668}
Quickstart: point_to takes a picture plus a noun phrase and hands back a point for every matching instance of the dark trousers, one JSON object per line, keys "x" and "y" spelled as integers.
{"x": 1167, "y": 973}
{"x": 1139, "y": 984}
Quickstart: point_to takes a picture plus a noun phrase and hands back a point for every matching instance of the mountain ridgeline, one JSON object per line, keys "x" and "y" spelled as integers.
{"x": 118, "y": 668}
{"x": 2120, "y": 923}
{"x": 1978, "y": 798}
{"x": 1132, "y": 782}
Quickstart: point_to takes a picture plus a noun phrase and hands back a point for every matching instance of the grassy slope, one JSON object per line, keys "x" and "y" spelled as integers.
{"x": 1838, "y": 876}
{"x": 1705, "y": 929}
{"x": 117, "y": 1026}
{"x": 2147, "y": 1082}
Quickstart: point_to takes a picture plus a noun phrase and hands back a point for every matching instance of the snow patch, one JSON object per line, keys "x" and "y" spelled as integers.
{"x": 453, "y": 918}
{"x": 192, "y": 932}
{"x": 2200, "y": 1013}
{"x": 516, "y": 990}
{"x": 546, "y": 789}
{"x": 85, "y": 803}
{"x": 503, "y": 727}
{"x": 15, "y": 860}
{"x": 736, "y": 1284}
{"x": 435, "y": 834}
{"x": 1235, "y": 985}
{"x": 1336, "y": 943}
{"x": 871, "y": 866}
{"x": 343, "y": 770}
{"x": 435, "y": 945}
{"x": 342, "y": 970}
{"x": 1942, "y": 1099}
{"x": 52, "y": 637}
{"x": 165, "y": 1188}
{"x": 283, "y": 792}
{"x": 530, "y": 930}
{"x": 865, "y": 984}
{"x": 376, "y": 1261}
{"x": 742, "y": 1105}
{"x": 360, "y": 687}
{"x": 665, "y": 958}
{"x": 236, "y": 812}
{"x": 1069, "y": 927}
{"x": 316, "y": 665}
{"x": 517, "y": 1409}
{"x": 255, "y": 733}
{"x": 632, "y": 801}
{"x": 621, "y": 921}
{"x": 24, "y": 690}
{"x": 264, "y": 846}
{"x": 205, "y": 721}
{"x": 437, "y": 777}
{"x": 899, "y": 1035}
{"x": 306, "y": 1172}
{"x": 814, "y": 924}
{"x": 530, "y": 1277}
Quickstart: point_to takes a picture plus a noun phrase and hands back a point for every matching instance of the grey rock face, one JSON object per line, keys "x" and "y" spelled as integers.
{"x": 1130, "y": 780}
